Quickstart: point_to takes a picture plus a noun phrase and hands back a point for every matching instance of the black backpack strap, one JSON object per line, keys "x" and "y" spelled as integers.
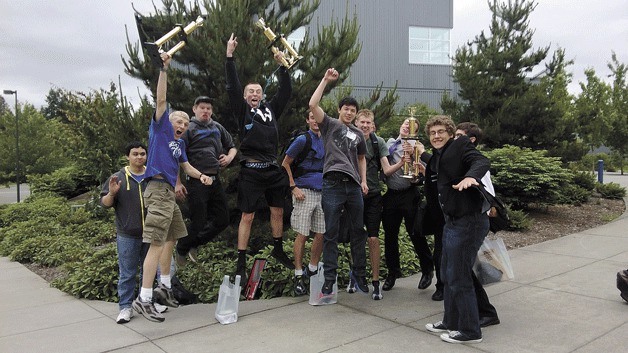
{"x": 375, "y": 144}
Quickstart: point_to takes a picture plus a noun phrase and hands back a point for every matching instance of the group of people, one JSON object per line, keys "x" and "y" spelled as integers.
{"x": 333, "y": 173}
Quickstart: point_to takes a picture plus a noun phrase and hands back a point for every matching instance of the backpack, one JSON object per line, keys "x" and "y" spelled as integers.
{"x": 181, "y": 294}
{"x": 295, "y": 169}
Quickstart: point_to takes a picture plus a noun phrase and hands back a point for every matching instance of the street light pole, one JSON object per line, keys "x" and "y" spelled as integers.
{"x": 17, "y": 143}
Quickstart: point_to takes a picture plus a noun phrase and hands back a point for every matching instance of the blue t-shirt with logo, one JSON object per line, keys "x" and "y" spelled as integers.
{"x": 164, "y": 152}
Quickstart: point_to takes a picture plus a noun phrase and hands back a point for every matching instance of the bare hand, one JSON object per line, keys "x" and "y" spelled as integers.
{"x": 279, "y": 56}
{"x": 165, "y": 57}
{"x": 206, "y": 180}
{"x": 180, "y": 192}
{"x": 114, "y": 185}
{"x": 224, "y": 160}
{"x": 232, "y": 43}
{"x": 298, "y": 194}
{"x": 331, "y": 75}
{"x": 365, "y": 188}
{"x": 465, "y": 183}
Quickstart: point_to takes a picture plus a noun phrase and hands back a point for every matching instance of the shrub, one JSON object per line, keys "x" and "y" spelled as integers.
{"x": 41, "y": 206}
{"x": 51, "y": 250}
{"x": 18, "y": 233}
{"x": 519, "y": 220}
{"x": 585, "y": 180}
{"x": 67, "y": 182}
{"x": 94, "y": 278}
{"x": 523, "y": 176}
{"x": 611, "y": 190}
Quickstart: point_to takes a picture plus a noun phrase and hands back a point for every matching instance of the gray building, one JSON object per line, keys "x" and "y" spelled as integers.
{"x": 404, "y": 42}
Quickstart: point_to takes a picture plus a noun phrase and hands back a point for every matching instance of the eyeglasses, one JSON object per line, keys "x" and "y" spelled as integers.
{"x": 438, "y": 132}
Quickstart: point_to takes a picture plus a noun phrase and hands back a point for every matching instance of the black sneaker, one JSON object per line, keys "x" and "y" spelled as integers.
{"x": 458, "y": 337}
{"x": 362, "y": 284}
{"x": 389, "y": 283}
{"x": 307, "y": 273}
{"x": 436, "y": 327}
{"x": 147, "y": 309}
{"x": 164, "y": 296}
{"x": 281, "y": 256}
{"x": 328, "y": 287}
{"x": 299, "y": 286}
{"x": 377, "y": 294}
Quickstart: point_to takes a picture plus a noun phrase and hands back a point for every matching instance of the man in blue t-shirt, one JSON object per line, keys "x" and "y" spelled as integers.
{"x": 306, "y": 184}
{"x": 164, "y": 223}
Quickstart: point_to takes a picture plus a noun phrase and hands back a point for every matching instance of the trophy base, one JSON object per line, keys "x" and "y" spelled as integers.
{"x": 155, "y": 56}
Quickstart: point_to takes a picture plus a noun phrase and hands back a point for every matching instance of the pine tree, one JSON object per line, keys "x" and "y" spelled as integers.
{"x": 201, "y": 69}
{"x": 491, "y": 71}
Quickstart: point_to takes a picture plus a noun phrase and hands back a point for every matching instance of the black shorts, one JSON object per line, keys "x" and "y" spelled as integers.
{"x": 272, "y": 182}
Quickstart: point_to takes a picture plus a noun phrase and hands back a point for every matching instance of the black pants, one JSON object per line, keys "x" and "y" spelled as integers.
{"x": 401, "y": 206}
{"x": 209, "y": 214}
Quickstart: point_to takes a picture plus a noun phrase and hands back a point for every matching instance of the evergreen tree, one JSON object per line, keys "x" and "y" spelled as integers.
{"x": 617, "y": 138}
{"x": 201, "y": 61}
{"x": 491, "y": 71}
{"x": 591, "y": 110}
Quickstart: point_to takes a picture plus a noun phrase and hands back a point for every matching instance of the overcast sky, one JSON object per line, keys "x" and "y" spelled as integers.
{"x": 78, "y": 44}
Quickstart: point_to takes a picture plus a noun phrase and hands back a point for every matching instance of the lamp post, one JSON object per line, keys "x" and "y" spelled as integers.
{"x": 17, "y": 143}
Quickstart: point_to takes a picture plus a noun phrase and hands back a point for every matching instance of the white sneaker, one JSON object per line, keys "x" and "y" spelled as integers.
{"x": 161, "y": 308}
{"x": 125, "y": 316}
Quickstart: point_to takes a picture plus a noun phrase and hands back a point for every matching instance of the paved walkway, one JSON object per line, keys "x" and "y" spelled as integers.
{"x": 563, "y": 299}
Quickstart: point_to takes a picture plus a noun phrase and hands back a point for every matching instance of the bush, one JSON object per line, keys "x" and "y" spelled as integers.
{"x": 524, "y": 177}
{"x": 585, "y": 180}
{"x": 41, "y": 206}
{"x": 519, "y": 220}
{"x": 67, "y": 182}
{"x": 611, "y": 190}
{"x": 94, "y": 278}
{"x": 51, "y": 250}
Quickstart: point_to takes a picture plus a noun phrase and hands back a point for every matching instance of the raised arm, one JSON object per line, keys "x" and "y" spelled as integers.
{"x": 330, "y": 75}
{"x": 162, "y": 87}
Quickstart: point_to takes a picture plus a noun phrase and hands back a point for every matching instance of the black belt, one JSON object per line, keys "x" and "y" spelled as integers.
{"x": 402, "y": 190}
{"x": 337, "y": 176}
{"x": 257, "y": 165}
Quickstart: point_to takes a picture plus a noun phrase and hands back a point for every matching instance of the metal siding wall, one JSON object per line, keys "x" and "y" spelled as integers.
{"x": 384, "y": 36}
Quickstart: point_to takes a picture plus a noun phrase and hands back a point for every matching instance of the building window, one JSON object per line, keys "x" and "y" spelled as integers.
{"x": 428, "y": 45}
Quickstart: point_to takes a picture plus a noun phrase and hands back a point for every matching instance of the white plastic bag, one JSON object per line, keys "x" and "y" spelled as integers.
{"x": 316, "y": 284}
{"x": 493, "y": 262}
{"x": 228, "y": 300}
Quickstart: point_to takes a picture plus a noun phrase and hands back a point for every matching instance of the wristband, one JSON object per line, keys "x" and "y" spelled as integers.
{"x": 292, "y": 187}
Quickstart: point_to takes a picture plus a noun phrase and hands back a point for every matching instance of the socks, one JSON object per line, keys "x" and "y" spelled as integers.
{"x": 312, "y": 268}
{"x": 241, "y": 259}
{"x": 298, "y": 272}
{"x": 146, "y": 294}
{"x": 165, "y": 280}
{"x": 278, "y": 243}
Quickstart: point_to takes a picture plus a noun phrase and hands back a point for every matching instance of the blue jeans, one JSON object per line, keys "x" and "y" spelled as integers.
{"x": 131, "y": 253}
{"x": 337, "y": 195}
{"x": 462, "y": 238}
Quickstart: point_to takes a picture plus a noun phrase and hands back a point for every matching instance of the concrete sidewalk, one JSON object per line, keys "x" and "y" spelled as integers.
{"x": 563, "y": 299}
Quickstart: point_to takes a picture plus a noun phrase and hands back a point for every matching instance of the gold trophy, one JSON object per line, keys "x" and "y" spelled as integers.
{"x": 410, "y": 171}
{"x": 290, "y": 57}
{"x": 155, "y": 49}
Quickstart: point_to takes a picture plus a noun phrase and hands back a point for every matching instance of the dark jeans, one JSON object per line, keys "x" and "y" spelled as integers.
{"x": 209, "y": 214}
{"x": 462, "y": 238}
{"x": 401, "y": 206}
{"x": 339, "y": 194}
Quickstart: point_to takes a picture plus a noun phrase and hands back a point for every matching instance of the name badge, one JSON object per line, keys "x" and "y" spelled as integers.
{"x": 351, "y": 135}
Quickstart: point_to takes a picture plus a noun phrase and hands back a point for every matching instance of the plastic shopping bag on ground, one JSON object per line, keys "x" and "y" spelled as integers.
{"x": 493, "y": 262}
{"x": 228, "y": 300}
{"x": 316, "y": 284}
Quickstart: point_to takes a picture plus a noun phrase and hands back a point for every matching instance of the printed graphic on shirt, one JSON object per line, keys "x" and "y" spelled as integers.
{"x": 265, "y": 114}
{"x": 344, "y": 138}
{"x": 175, "y": 148}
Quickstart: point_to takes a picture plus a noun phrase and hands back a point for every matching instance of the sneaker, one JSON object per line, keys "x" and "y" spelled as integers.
{"x": 148, "y": 310}
{"x": 307, "y": 273}
{"x": 389, "y": 283}
{"x": 193, "y": 254}
{"x": 164, "y": 296}
{"x": 458, "y": 337}
{"x": 281, "y": 256}
{"x": 181, "y": 260}
{"x": 328, "y": 288}
{"x": 377, "y": 294}
{"x": 299, "y": 286}
{"x": 362, "y": 284}
{"x": 351, "y": 286}
{"x": 125, "y": 316}
{"x": 160, "y": 308}
{"x": 437, "y": 327}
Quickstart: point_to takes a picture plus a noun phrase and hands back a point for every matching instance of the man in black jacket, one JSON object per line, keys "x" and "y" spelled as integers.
{"x": 260, "y": 175}
{"x": 458, "y": 167}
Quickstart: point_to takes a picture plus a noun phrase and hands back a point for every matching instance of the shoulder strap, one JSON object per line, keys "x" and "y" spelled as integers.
{"x": 307, "y": 147}
{"x": 375, "y": 144}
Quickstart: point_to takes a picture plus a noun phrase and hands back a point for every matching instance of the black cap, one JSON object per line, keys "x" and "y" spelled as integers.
{"x": 202, "y": 99}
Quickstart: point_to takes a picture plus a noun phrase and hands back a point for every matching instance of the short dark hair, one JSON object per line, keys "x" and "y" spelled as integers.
{"x": 349, "y": 101}
{"x": 203, "y": 99}
{"x": 133, "y": 144}
{"x": 472, "y": 130}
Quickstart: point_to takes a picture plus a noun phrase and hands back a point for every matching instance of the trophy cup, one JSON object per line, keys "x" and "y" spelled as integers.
{"x": 155, "y": 49}
{"x": 410, "y": 171}
{"x": 290, "y": 57}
